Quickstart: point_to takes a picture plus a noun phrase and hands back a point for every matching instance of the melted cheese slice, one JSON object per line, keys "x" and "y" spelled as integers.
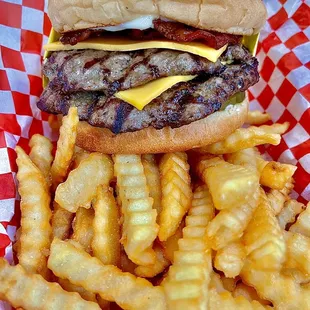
{"x": 140, "y": 96}
{"x": 121, "y": 44}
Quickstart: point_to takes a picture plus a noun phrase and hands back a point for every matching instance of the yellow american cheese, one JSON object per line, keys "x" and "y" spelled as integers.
{"x": 122, "y": 44}
{"x": 140, "y": 96}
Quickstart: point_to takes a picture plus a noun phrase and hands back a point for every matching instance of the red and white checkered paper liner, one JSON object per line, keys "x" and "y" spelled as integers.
{"x": 283, "y": 91}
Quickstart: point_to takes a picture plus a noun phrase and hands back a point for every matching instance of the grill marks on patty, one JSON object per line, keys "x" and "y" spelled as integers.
{"x": 92, "y": 70}
{"x": 179, "y": 105}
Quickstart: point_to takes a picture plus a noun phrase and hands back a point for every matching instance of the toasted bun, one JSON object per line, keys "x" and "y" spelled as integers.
{"x": 213, "y": 128}
{"x": 243, "y": 17}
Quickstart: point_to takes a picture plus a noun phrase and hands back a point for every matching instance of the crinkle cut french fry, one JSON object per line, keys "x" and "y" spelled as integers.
{"x": 302, "y": 224}
{"x": 244, "y": 138}
{"x": 171, "y": 244}
{"x": 257, "y": 118}
{"x": 264, "y": 239}
{"x": 106, "y": 227}
{"x": 229, "y": 284}
{"x": 16, "y": 245}
{"x": 289, "y": 212}
{"x": 298, "y": 252}
{"x": 176, "y": 192}
{"x": 112, "y": 284}
{"x": 229, "y": 224}
{"x": 78, "y": 157}
{"x": 272, "y": 174}
{"x": 80, "y": 187}
{"x": 151, "y": 171}
{"x": 41, "y": 154}
{"x": 61, "y": 222}
{"x": 161, "y": 263}
{"x": 230, "y": 259}
{"x": 230, "y": 185}
{"x": 248, "y": 293}
{"x": 277, "y": 198}
{"x": 283, "y": 291}
{"x": 202, "y": 201}
{"x": 83, "y": 228}
{"x": 139, "y": 227}
{"x": 54, "y": 122}
{"x": 69, "y": 287}
{"x": 275, "y": 175}
{"x": 225, "y": 301}
{"x": 244, "y": 157}
{"x": 189, "y": 276}
{"x": 36, "y": 232}
{"x": 126, "y": 264}
{"x": 106, "y": 305}
{"x": 216, "y": 282}
{"x": 31, "y": 291}
{"x": 65, "y": 147}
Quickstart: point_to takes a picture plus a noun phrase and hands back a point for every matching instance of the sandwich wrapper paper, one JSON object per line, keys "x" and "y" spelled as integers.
{"x": 283, "y": 91}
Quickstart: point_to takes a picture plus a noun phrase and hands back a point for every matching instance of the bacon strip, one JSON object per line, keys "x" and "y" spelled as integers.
{"x": 183, "y": 33}
{"x": 170, "y": 30}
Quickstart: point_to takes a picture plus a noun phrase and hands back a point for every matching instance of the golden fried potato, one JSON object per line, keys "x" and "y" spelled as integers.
{"x": 78, "y": 157}
{"x": 244, "y": 138}
{"x": 171, "y": 244}
{"x": 81, "y": 185}
{"x": 55, "y": 122}
{"x": 83, "y": 228}
{"x": 41, "y": 155}
{"x": 230, "y": 185}
{"x": 275, "y": 175}
{"x": 298, "y": 252}
{"x": 69, "y": 287}
{"x": 36, "y": 230}
{"x": 248, "y": 293}
{"x": 189, "y": 276}
{"x": 289, "y": 212}
{"x": 126, "y": 264}
{"x": 264, "y": 239}
{"x": 31, "y": 291}
{"x": 229, "y": 224}
{"x": 16, "y": 245}
{"x": 230, "y": 259}
{"x": 283, "y": 291}
{"x": 106, "y": 227}
{"x": 61, "y": 222}
{"x": 161, "y": 263}
{"x": 229, "y": 284}
{"x": 302, "y": 225}
{"x": 152, "y": 175}
{"x": 276, "y": 200}
{"x": 111, "y": 283}
{"x": 176, "y": 192}
{"x": 202, "y": 202}
{"x": 247, "y": 158}
{"x": 257, "y": 118}
{"x": 65, "y": 147}
{"x": 225, "y": 301}
{"x": 216, "y": 283}
{"x": 139, "y": 227}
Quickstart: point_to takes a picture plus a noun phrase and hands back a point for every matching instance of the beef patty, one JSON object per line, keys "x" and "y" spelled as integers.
{"x": 179, "y": 105}
{"x": 109, "y": 72}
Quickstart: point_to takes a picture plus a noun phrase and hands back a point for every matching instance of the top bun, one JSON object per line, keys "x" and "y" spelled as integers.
{"x": 243, "y": 17}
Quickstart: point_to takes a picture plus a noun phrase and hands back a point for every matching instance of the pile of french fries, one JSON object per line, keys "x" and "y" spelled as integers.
{"x": 213, "y": 228}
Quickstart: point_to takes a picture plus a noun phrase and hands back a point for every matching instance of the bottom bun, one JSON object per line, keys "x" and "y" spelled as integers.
{"x": 213, "y": 128}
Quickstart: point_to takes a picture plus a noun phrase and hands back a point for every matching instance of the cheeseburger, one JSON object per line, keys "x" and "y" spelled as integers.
{"x": 152, "y": 76}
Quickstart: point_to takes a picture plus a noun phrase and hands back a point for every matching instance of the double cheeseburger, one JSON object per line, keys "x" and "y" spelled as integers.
{"x": 152, "y": 76}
